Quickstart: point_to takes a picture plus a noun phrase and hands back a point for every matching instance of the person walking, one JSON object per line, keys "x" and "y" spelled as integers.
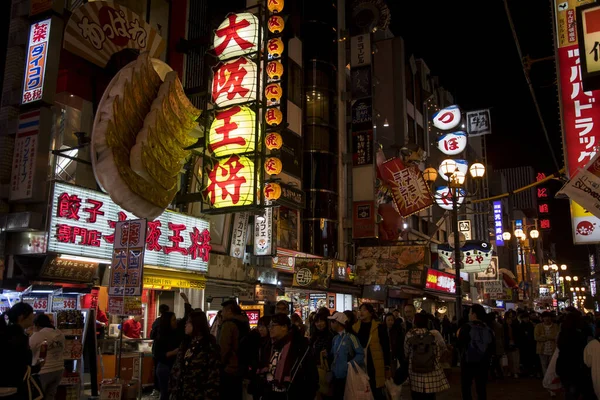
{"x": 320, "y": 342}
{"x": 235, "y": 326}
{"x": 392, "y": 330}
{"x": 16, "y": 368}
{"x": 499, "y": 350}
{"x": 292, "y": 371}
{"x": 527, "y": 347}
{"x": 512, "y": 340}
{"x": 195, "y": 374}
{"x": 591, "y": 358}
{"x": 545, "y": 336}
{"x": 373, "y": 338}
{"x": 476, "y": 340}
{"x": 163, "y": 308}
{"x": 47, "y": 339}
{"x": 345, "y": 348}
{"x": 164, "y": 350}
{"x": 423, "y": 349}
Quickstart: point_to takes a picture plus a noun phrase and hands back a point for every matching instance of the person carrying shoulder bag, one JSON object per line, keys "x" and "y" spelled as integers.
{"x": 345, "y": 348}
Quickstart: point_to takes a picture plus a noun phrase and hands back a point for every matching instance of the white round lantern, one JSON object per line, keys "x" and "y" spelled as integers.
{"x": 236, "y": 36}
{"x": 447, "y": 118}
{"x": 453, "y": 143}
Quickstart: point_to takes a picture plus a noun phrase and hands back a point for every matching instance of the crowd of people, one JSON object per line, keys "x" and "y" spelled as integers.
{"x": 285, "y": 357}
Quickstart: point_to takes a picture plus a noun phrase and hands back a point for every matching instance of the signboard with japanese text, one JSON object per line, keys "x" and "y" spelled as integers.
{"x": 264, "y": 275}
{"x": 390, "y": 265}
{"x": 288, "y": 228}
{"x": 291, "y": 197}
{"x": 82, "y": 223}
{"x": 125, "y": 305}
{"x": 479, "y": 122}
{"x": 363, "y": 220}
{"x": 342, "y": 271}
{"x": 239, "y": 235}
{"x": 126, "y": 274}
{"x": 464, "y": 227}
{"x": 312, "y": 273}
{"x": 452, "y": 143}
{"x": 234, "y": 82}
{"x": 98, "y": 29}
{"x": 230, "y": 182}
{"x": 360, "y": 50}
{"x": 37, "y": 58}
{"x": 265, "y": 233}
{"x": 543, "y": 196}
{"x": 409, "y": 189}
{"x": 167, "y": 282}
{"x": 491, "y": 272}
{"x": 476, "y": 256}
{"x": 285, "y": 260}
{"x": 361, "y": 82}
{"x": 580, "y": 111}
{"x": 588, "y": 29}
{"x": 237, "y": 35}
{"x": 66, "y": 270}
{"x": 265, "y": 293}
{"x": 24, "y": 156}
{"x": 440, "y": 281}
{"x": 498, "y": 223}
{"x": 253, "y": 317}
{"x": 362, "y": 114}
{"x": 233, "y": 130}
{"x": 362, "y": 147}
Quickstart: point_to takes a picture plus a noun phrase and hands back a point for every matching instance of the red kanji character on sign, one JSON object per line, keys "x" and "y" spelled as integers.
{"x": 153, "y": 235}
{"x": 68, "y": 206}
{"x": 94, "y": 211}
{"x": 451, "y": 144}
{"x": 228, "y": 79}
{"x": 77, "y": 231}
{"x": 226, "y": 129}
{"x": 93, "y": 238}
{"x": 64, "y": 233}
{"x": 177, "y": 239}
{"x": 271, "y": 165}
{"x": 230, "y": 32}
{"x": 542, "y": 193}
{"x": 545, "y": 223}
{"x": 39, "y": 33}
{"x": 200, "y": 244}
{"x": 224, "y": 175}
{"x": 543, "y": 208}
{"x": 540, "y": 176}
{"x": 274, "y": 23}
{"x": 113, "y": 224}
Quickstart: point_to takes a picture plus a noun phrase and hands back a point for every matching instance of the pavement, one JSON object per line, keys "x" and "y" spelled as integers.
{"x": 505, "y": 389}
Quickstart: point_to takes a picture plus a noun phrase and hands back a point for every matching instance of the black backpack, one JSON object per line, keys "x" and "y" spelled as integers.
{"x": 424, "y": 350}
{"x": 479, "y": 344}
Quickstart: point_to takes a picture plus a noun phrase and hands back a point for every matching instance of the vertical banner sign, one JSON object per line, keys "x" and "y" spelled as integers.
{"x": 588, "y": 28}
{"x": 23, "y": 167}
{"x": 363, "y": 220}
{"x": 264, "y": 234}
{"x": 580, "y": 109}
{"x": 543, "y": 195}
{"x": 362, "y": 148}
{"x": 239, "y": 235}
{"x": 35, "y": 67}
{"x": 464, "y": 227}
{"x": 479, "y": 123}
{"x": 498, "y": 228}
{"x": 361, "y": 50}
{"x": 128, "y": 258}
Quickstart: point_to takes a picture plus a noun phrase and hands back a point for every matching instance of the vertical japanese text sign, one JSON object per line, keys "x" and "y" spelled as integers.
{"x": 35, "y": 67}
{"x": 128, "y": 258}
{"x": 580, "y": 109}
{"x": 498, "y": 228}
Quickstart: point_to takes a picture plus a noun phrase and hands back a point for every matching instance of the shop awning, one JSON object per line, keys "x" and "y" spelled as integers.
{"x": 440, "y": 296}
{"x": 403, "y": 292}
{"x": 155, "y": 278}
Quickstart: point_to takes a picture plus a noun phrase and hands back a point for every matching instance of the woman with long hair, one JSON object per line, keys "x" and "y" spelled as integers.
{"x": 195, "y": 374}
{"x": 16, "y": 369}
{"x": 165, "y": 351}
{"x": 51, "y": 341}
{"x": 320, "y": 342}
{"x": 373, "y": 338}
{"x": 261, "y": 338}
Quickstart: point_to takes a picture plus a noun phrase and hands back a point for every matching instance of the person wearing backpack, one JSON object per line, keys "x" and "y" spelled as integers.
{"x": 423, "y": 349}
{"x": 234, "y": 330}
{"x": 476, "y": 340}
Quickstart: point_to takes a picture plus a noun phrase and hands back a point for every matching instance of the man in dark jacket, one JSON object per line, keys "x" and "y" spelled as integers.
{"x": 292, "y": 372}
{"x": 476, "y": 341}
{"x": 234, "y": 328}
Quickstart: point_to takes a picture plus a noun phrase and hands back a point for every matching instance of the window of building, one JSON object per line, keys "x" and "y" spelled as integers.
{"x": 294, "y": 83}
{"x": 409, "y": 83}
{"x": 411, "y": 130}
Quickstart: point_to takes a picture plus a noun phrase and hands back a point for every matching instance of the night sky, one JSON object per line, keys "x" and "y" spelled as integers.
{"x": 470, "y": 46}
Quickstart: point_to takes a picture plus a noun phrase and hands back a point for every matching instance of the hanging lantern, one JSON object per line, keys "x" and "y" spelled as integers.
{"x": 232, "y": 131}
{"x": 237, "y": 35}
{"x": 275, "y": 69}
{"x": 275, "y": 6}
{"x": 272, "y": 191}
{"x": 273, "y": 92}
{"x": 276, "y": 24}
{"x": 275, "y": 47}
{"x": 273, "y": 166}
{"x": 273, "y": 116}
{"x": 273, "y": 141}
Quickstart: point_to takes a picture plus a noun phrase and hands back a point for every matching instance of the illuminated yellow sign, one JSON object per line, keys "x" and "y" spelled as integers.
{"x": 230, "y": 182}
{"x": 232, "y": 131}
{"x": 161, "y": 282}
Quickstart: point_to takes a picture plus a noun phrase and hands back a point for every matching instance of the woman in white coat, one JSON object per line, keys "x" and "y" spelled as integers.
{"x": 45, "y": 335}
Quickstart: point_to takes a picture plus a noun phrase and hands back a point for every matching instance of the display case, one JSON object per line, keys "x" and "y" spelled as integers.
{"x": 137, "y": 365}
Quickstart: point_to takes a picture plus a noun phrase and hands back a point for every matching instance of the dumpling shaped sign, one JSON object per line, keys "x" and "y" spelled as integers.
{"x": 140, "y": 134}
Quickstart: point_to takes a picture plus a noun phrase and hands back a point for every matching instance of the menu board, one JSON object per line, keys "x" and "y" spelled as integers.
{"x": 62, "y": 269}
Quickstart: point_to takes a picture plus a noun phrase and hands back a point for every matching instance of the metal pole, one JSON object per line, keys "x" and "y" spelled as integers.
{"x": 523, "y": 268}
{"x": 457, "y": 255}
{"x": 120, "y": 350}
